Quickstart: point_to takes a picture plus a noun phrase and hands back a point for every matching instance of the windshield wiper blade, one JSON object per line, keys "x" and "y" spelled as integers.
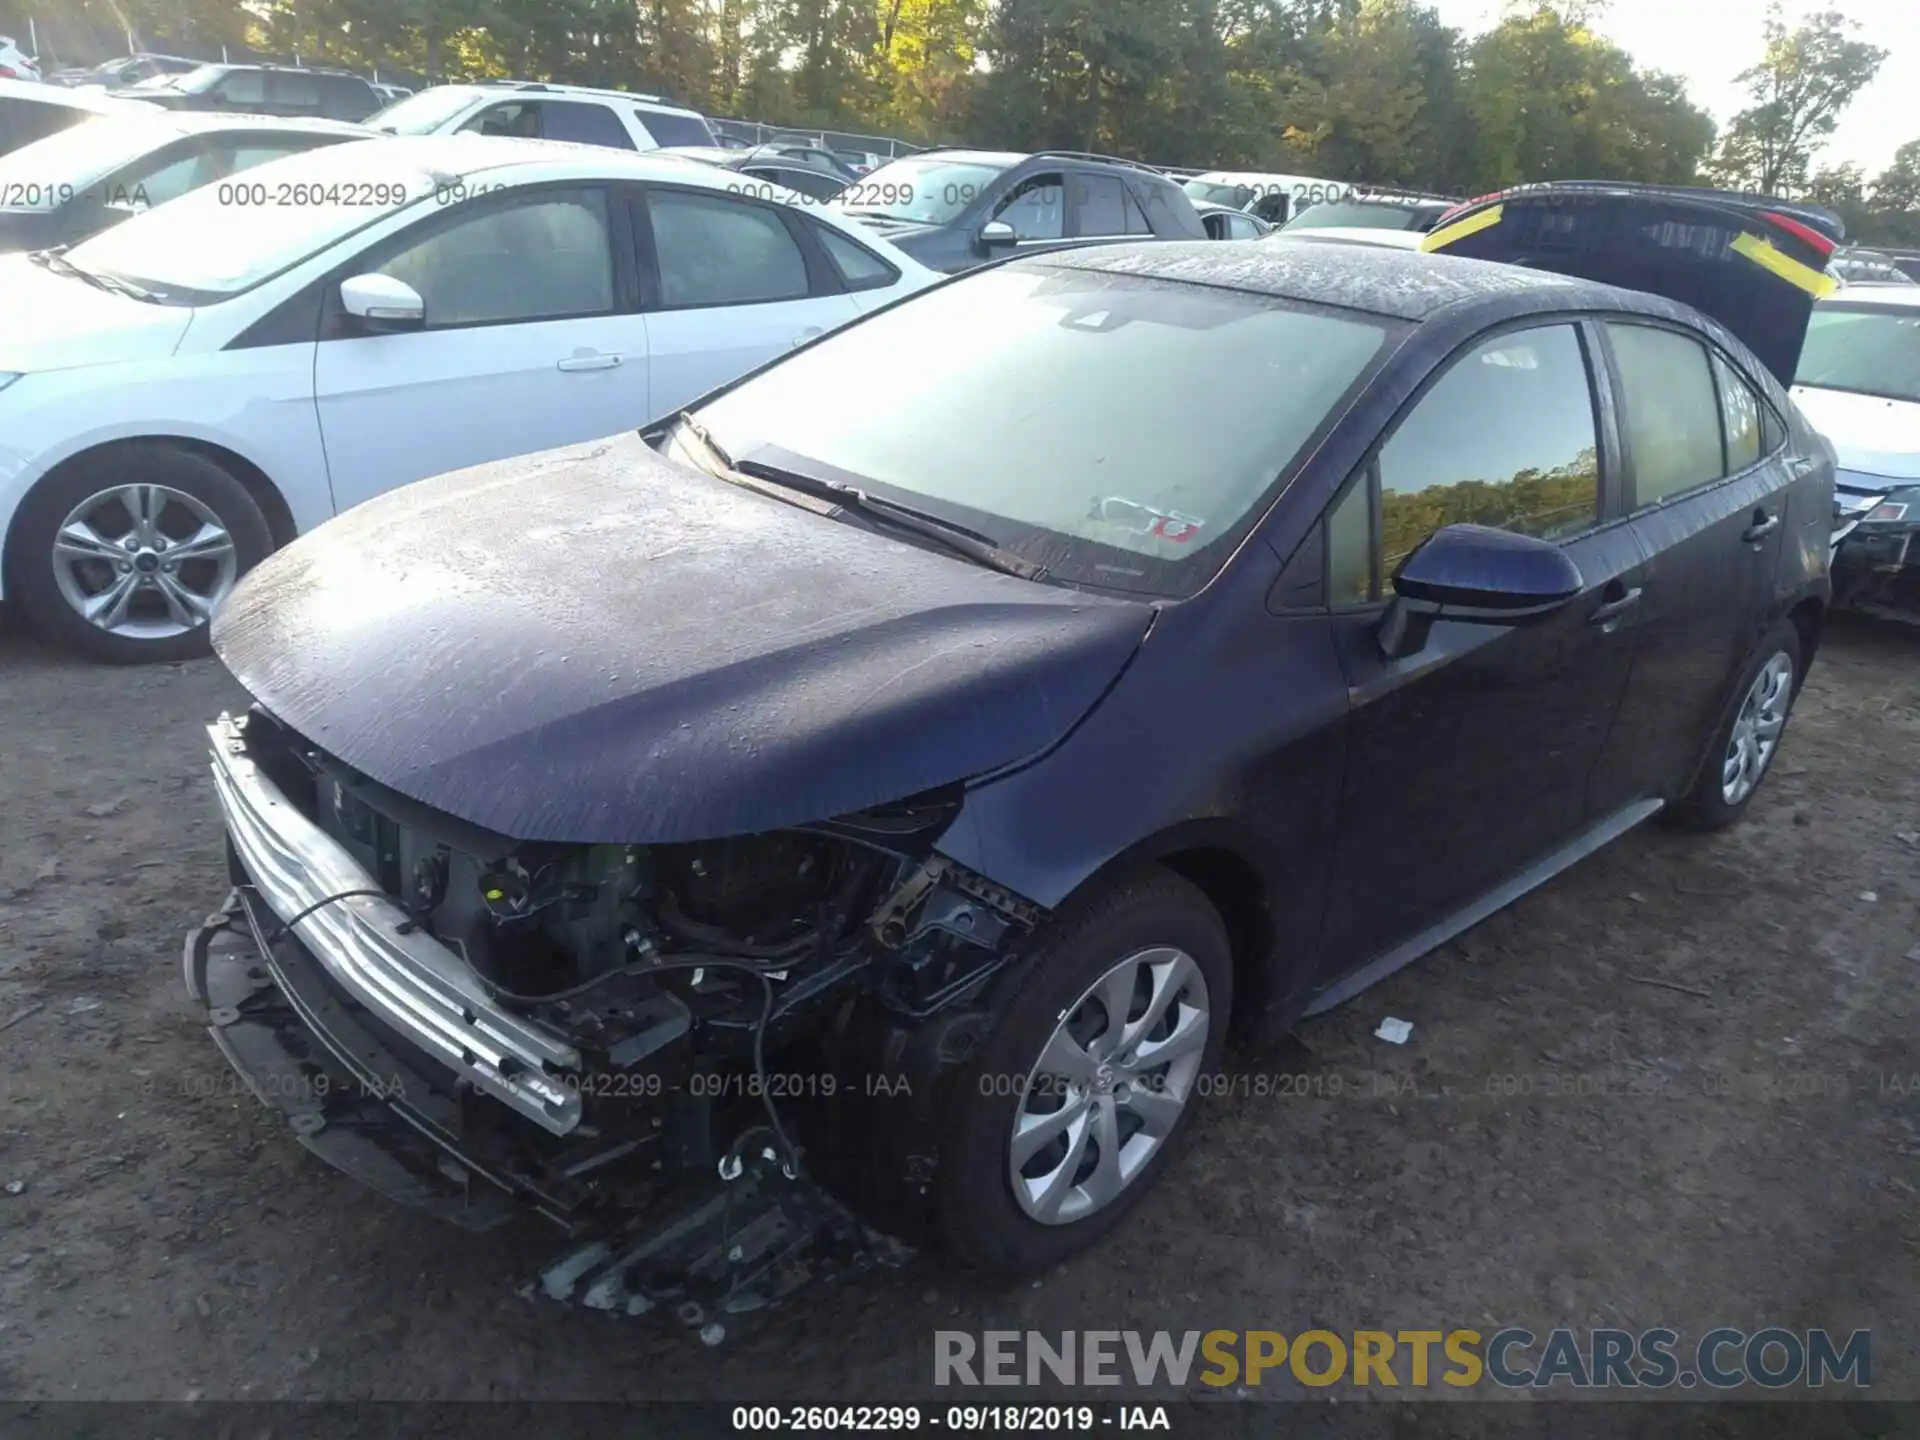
{"x": 705, "y": 437}
{"x": 57, "y": 262}
{"x": 891, "y": 513}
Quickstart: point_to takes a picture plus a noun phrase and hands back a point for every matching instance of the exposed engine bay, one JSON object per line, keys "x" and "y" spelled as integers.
{"x": 741, "y": 1011}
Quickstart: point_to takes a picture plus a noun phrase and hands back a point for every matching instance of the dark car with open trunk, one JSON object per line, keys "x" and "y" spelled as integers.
{"x": 789, "y": 832}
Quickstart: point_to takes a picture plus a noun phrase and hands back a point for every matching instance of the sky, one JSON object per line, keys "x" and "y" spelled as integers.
{"x": 1709, "y": 42}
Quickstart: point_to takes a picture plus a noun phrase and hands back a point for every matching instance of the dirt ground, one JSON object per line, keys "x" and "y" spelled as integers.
{"x": 1563, "y": 1142}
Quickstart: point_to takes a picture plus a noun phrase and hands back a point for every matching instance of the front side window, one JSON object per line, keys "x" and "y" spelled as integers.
{"x": 584, "y": 123}
{"x": 1506, "y": 438}
{"x": 1121, "y": 430}
{"x": 715, "y": 251}
{"x": 539, "y": 259}
{"x": 667, "y": 128}
{"x": 1035, "y": 210}
{"x": 1670, "y": 411}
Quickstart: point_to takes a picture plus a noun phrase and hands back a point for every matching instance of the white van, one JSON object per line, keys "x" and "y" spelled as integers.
{"x": 1276, "y": 199}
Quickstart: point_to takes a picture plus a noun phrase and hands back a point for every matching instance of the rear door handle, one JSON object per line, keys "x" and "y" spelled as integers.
{"x": 589, "y": 362}
{"x": 1763, "y": 526}
{"x": 1612, "y": 610}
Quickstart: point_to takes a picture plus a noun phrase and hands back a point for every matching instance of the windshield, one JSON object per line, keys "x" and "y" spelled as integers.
{"x": 209, "y": 244}
{"x": 930, "y": 190}
{"x": 160, "y": 82}
{"x": 1355, "y": 214}
{"x": 1120, "y": 430}
{"x": 1870, "y": 351}
{"x": 50, "y": 172}
{"x": 423, "y": 113}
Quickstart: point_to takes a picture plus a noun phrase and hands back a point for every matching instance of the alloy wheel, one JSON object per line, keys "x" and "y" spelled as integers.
{"x": 1756, "y": 729}
{"x": 1110, "y": 1086}
{"x": 146, "y": 562}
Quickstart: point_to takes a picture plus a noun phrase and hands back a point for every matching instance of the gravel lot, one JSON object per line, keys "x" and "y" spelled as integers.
{"x": 1563, "y": 1141}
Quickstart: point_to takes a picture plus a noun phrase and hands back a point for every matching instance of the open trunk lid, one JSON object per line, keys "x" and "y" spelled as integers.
{"x": 1753, "y": 264}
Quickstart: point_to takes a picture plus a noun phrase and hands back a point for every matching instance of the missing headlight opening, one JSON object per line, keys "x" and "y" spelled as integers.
{"x": 695, "y": 1048}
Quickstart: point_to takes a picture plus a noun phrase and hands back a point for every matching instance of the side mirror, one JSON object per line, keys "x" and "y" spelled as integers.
{"x": 382, "y": 303}
{"x": 1478, "y": 575}
{"x": 998, "y": 233}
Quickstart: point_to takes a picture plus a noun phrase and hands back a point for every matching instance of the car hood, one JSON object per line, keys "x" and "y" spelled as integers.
{"x": 1870, "y": 433}
{"x": 597, "y": 644}
{"x": 56, "y": 322}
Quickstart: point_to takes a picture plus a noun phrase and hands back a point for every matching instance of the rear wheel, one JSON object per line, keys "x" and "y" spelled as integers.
{"x": 1085, "y": 1085}
{"x": 1749, "y": 735}
{"x": 123, "y": 556}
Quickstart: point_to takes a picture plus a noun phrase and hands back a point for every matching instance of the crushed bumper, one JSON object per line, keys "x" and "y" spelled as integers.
{"x": 372, "y": 948}
{"x": 1876, "y": 570}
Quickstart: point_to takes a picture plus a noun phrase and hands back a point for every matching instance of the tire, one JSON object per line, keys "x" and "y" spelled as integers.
{"x": 168, "y": 599}
{"x": 981, "y": 1221}
{"x": 1711, "y": 804}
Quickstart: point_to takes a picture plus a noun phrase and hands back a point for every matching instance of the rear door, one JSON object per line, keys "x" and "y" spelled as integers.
{"x": 729, "y": 282}
{"x": 1468, "y": 761}
{"x": 1708, "y": 472}
{"x": 532, "y": 339}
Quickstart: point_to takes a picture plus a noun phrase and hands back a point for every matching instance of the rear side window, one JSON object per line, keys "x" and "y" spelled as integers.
{"x": 295, "y": 92}
{"x": 716, "y": 251}
{"x": 1671, "y": 411}
{"x": 584, "y": 124}
{"x": 667, "y": 128}
{"x": 1740, "y": 411}
{"x": 1506, "y": 438}
{"x": 346, "y": 97}
{"x": 858, "y": 266}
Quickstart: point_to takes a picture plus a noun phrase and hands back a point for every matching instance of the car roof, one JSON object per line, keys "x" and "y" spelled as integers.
{"x": 1002, "y": 158}
{"x": 1377, "y": 279}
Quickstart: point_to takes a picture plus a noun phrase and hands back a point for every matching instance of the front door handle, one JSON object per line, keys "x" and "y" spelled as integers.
{"x": 812, "y": 332}
{"x": 595, "y": 361}
{"x": 1763, "y": 526}
{"x": 1612, "y": 610}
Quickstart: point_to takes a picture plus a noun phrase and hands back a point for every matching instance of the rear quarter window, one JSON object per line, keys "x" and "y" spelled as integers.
{"x": 670, "y": 129}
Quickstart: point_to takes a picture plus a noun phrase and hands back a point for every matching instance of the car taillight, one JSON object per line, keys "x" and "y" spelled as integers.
{"x": 1820, "y": 243}
{"x": 1887, "y": 512}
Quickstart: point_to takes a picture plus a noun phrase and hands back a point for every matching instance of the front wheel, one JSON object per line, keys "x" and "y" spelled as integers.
{"x": 1085, "y": 1083}
{"x": 1749, "y": 735}
{"x": 124, "y": 555}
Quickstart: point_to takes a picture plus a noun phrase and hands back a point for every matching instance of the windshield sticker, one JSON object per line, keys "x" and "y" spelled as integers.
{"x": 1133, "y": 518}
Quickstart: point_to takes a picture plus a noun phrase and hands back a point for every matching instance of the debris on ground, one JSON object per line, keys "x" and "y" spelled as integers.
{"x": 16, "y": 1187}
{"x": 21, "y": 1014}
{"x": 1394, "y": 1032}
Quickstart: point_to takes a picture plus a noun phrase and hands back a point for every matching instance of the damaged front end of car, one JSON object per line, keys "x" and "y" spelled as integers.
{"x": 1876, "y": 565}
{"x": 687, "y": 1056}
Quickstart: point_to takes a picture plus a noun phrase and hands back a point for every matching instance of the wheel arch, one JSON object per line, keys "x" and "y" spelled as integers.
{"x": 1809, "y": 618}
{"x": 273, "y": 505}
{"x": 1225, "y": 866}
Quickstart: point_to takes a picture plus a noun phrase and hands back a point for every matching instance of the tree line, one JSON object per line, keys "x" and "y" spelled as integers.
{"x": 1375, "y": 91}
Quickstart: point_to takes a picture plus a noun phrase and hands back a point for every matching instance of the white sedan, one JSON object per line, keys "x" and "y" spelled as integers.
{"x": 198, "y": 385}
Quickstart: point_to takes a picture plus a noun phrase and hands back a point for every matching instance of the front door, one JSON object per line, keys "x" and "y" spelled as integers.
{"x": 531, "y": 341}
{"x": 1468, "y": 760}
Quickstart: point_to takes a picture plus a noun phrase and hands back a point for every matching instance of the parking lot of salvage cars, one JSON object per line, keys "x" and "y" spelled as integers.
{"x": 1677, "y": 1086}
